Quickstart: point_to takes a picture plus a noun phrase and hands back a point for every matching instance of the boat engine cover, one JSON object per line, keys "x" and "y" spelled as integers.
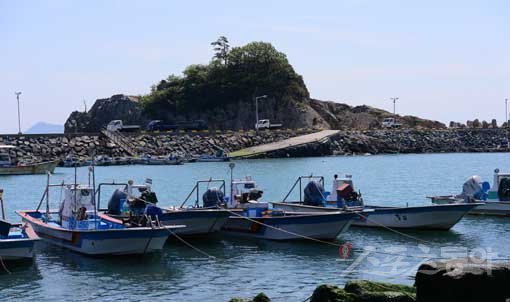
{"x": 213, "y": 197}
{"x": 314, "y": 194}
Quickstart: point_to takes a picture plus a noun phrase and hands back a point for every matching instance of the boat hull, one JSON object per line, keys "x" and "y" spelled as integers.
{"x": 12, "y": 249}
{"x": 327, "y": 226}
{"x": 492, "y": 208}
{"x": 436, "y": 217}
{"x": 18, "y": 249}
{"x": 120, "y": 241}
{"x": 40, "y": 168}
{"x": 198, "y": 222}
{"x": 489, "y": 207}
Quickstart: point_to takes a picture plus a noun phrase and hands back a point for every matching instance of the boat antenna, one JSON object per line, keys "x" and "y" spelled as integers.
{"x": 48, "y": 196}
{"x": 231, "y": 166}
{"x": 75, "y": 186}
{"x": 93, "y": 168}
{"x": 2, "y": 202}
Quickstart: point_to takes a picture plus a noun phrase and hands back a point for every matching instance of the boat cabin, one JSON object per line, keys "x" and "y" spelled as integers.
{"x": 246, "y": 194}
{"x": 501, "y": 186}
{"x": 77, "y": 209}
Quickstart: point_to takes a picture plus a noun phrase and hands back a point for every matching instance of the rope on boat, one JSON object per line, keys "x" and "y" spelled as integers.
{"x": 4, "y": 266}
{"x": 190, "y": 245}
{"x": 330, "y": 242}
{"x": 391, "y": 229}
{"x": 284, "y": 231}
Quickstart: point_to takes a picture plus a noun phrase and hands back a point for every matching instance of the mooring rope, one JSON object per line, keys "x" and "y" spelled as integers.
{"x": 4, "y": 266}
{"x": 283, "y": 230}
{"x": 391, "y": 229}
{"x": 190, "y": 245}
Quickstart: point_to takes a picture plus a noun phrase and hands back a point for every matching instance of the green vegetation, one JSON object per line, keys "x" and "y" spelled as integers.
{"x": 236, "y": 74}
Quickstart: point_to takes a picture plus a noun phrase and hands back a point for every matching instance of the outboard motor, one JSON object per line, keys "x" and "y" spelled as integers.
{"x": 314, "y": 194}
{"x": 472, "y": 188}
{"x": 114, "y": 203}
{"x": 213, "y": 197}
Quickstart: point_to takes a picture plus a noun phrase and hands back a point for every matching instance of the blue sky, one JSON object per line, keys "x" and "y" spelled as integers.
{"x": 444, "y": 59}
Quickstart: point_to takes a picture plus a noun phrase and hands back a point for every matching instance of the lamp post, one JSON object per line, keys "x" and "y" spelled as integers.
{"x": 19, "y": 119}
{"x": 506, "y": 112}
{"x": 394, "y": 101}
{"x": 257, "y": 108}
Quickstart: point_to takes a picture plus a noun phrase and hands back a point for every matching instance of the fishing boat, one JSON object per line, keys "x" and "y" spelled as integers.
{"x": 78, "y": 226}
{"x": 148, "y": 159}
{"x": 133, "y": 200}
{"x": 495, "y": 200}
{"x": 343, "y": 197}
{"x": 16, "y": 240}
{"x": 8, "y": 165}
{"x": 220, "y": 156}
{"x": 258, "y": 220}
{"x": 72, "y": 161}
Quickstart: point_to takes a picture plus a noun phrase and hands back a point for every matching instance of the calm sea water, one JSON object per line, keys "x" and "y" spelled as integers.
{"x": 287, "y": 271}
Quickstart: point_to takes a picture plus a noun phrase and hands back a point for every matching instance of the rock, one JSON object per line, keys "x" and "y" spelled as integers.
{"x": 331, "y": 293}
{"x": 462, "y": 280}
{"x": 258, "y": 298}
{"x": 378, "y": 291}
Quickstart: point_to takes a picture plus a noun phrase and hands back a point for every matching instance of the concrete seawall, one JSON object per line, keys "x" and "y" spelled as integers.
{"x": 33, "y": 148}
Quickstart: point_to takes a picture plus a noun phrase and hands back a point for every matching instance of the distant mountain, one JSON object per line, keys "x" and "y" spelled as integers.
{"x": 44, "y": 128}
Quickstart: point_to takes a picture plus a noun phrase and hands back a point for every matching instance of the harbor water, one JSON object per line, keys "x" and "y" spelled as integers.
{"x": 285, "y": 271}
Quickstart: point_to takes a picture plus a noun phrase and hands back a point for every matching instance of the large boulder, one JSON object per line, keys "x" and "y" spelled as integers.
{"x": 117, "y": 107}
{"x": 463, "y": 280}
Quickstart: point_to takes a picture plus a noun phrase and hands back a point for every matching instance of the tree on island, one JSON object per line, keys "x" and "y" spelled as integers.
{"x": 233, "y": 76}
{"x": 221, "y": 49}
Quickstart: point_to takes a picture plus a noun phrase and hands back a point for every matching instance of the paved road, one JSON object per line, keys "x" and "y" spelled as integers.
{"x": 291, "y": 142}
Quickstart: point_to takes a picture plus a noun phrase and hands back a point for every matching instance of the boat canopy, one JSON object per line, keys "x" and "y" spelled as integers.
{"x": 77, "y": 201}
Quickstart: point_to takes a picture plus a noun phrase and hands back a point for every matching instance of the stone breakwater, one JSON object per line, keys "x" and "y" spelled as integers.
{"x": 402, "y": 141}
{"x": 36, "y": 148}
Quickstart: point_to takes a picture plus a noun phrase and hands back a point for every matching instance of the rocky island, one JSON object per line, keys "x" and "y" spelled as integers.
{"x": 222, "y": 94}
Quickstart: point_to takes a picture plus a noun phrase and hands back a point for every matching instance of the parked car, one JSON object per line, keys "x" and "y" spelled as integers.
{"x": 159, "y": 125}
{"x": 266, "y": 124}
{"x": 391, "y": 122}
{"x": 118, "y": 125}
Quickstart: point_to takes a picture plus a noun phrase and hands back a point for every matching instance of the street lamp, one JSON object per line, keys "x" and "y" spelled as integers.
{"x": 394, "y": 101}
{"x": 19, "y": 119}
{"x": 257, "y": 107}
{"x": 506, "y": 112}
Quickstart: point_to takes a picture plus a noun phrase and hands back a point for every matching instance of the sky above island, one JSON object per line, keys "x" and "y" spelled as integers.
{"x": 445, "y": 60}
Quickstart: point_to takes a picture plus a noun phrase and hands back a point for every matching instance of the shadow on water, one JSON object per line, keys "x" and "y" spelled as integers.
{"x": 123, "y": 266}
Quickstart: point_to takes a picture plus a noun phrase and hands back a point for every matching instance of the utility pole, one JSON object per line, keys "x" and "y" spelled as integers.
{"x": 394, "y": 101}
{"x": 19, "y": 118}
{"x": 257, "y": 107}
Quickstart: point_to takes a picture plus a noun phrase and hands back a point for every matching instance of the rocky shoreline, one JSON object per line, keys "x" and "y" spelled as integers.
{"x": 466, "y": 279}
{"x": 37, "y": 148}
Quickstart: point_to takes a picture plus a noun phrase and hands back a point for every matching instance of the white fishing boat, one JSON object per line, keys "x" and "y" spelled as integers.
{"x": 200, "y": 219}
{"x": 495, "y": 200}
{"x": 8, "y": 165}
{"x": 71, "y": 161}
{"x": 79, "y": 227}
{"x": 259, "y": 221}
{"x": 17, "y": 241}
{"x": 343, "y": 197}
{"x": 148, "y": 159}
